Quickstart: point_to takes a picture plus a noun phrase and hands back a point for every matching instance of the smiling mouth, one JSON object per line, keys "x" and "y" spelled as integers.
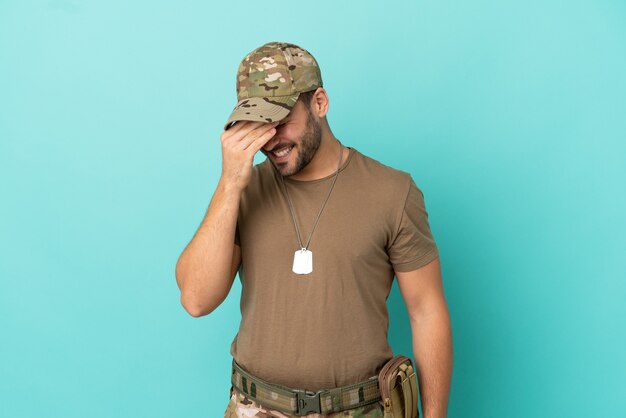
{"x": 283, "y": 152}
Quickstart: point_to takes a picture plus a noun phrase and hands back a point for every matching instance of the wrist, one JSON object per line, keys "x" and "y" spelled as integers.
{"x": 229, "y": 187}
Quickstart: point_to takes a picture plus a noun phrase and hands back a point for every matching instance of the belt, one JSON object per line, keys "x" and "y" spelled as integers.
{"x": 300, "y": 402}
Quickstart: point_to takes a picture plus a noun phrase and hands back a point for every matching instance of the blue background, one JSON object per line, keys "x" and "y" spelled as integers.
{"x": 509, "y": 115}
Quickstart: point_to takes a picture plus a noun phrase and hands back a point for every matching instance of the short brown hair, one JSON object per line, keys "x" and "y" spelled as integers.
{"x": 306, "y": 98}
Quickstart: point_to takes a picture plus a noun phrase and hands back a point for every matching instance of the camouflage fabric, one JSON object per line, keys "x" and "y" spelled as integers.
{"x": 270, "y": 79}
{"x": 277, "y": 69}
{"x": 281, "y": 398}
{"x": 240, "y": 406}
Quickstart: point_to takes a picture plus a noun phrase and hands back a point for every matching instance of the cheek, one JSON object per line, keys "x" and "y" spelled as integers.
{"x": 289, "y": 132}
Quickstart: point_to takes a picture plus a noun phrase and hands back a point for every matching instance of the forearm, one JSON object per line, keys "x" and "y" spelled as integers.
{"x": 203, "y": 271}
{"x": 432, "y": 349}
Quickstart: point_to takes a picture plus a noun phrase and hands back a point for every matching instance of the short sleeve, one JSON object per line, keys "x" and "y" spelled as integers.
{"x": 413, "y": 245}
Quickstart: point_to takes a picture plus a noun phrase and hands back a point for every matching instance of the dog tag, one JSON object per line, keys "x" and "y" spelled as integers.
{"x": 303, "y": 261}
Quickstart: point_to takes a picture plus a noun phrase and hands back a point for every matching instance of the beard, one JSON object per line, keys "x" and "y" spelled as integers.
{"x": 309, "y": 144}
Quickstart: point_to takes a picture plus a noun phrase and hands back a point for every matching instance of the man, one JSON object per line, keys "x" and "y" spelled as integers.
{"x": 317, "y": 233}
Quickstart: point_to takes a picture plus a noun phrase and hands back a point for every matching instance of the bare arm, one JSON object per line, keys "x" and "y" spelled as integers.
{"x": 422, "y": 291}
{"x": 206, "y": 269}
{"x": 207, "y": 266}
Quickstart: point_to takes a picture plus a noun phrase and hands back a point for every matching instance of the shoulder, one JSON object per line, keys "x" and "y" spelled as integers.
{"x": 381, "y": 176}
{"x": 262, "y": 173}
{"x": 262, "y": 185}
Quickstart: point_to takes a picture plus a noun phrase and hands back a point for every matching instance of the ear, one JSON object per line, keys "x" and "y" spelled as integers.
{"x": 319, "y": 102}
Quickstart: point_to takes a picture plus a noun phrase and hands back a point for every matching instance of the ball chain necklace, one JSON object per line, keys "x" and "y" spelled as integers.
{"x": 303, "y": 258}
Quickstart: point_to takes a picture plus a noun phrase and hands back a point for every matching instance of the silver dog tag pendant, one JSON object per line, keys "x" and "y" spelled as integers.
{"x": 302, "y": 261}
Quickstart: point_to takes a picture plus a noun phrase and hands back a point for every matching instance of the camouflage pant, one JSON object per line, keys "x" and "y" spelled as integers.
{"x": 240, "y": 406}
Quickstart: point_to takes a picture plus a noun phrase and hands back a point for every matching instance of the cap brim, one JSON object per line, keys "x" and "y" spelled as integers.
{"x": 262, "y": 109}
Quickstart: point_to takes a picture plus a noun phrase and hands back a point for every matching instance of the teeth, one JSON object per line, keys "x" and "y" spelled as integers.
{"x": 283, "y": 152}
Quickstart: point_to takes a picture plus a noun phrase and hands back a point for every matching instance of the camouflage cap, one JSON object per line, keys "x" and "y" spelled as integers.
{"x": 270, "y": 79}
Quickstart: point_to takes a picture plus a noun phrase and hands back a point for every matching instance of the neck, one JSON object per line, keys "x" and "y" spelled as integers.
{"x": 324, "y": 163}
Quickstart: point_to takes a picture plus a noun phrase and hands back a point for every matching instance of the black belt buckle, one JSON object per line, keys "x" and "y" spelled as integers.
{"x": 307, "y": 402}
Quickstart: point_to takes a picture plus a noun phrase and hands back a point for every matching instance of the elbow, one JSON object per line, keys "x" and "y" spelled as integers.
{"x": 197, "y": 302}
{"x": 189, "y": 303}
{"x": 196, "y": 312}
{"x": 194, "y": 307}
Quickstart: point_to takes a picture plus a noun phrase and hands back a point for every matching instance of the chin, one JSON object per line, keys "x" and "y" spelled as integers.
{"x": 286, "y": 171}
{"x": 287, "y": 168}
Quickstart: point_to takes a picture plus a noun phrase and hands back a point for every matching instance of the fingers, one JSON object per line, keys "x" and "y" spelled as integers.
{"x": 236, "y": 126}
{"x": 260, "y": 141}
{"x": 248, "y": 132}
{"x": 242, "y": 126}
